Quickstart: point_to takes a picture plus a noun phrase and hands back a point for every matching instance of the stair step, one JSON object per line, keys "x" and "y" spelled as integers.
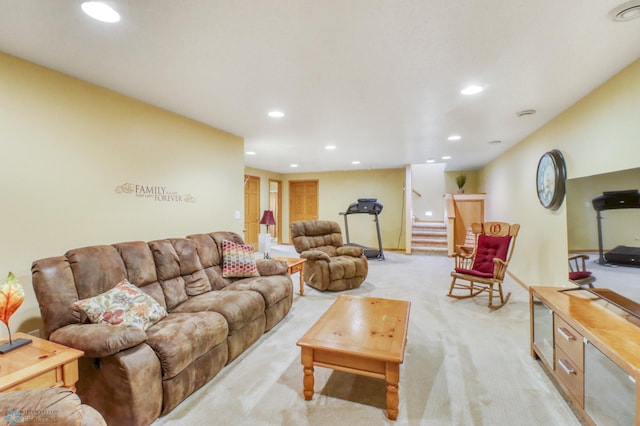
{"x": 429, "y": 241}
{"x": 429, "y": 250}
{"x": 429, "y": 232}
{"x": 436, "y": 225}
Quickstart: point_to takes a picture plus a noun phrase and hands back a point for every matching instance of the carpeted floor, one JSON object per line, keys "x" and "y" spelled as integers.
{"x": 464, "y": 364}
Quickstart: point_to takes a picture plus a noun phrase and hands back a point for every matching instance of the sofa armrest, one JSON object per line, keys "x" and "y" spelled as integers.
{"x": 48, "y": 406}
{"x": 98, "y": 340}
{"x": 267, "y": 267}
{"x": 350, "y": 251}
{"x": 315, "y": 255}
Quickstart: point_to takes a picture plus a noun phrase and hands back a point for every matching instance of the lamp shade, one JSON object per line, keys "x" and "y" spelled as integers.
{"x": 11, "y": 297}
{"x": 267, "y": 218}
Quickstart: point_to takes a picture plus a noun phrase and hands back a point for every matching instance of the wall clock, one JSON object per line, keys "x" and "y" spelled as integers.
{"x": 551, "y": 178}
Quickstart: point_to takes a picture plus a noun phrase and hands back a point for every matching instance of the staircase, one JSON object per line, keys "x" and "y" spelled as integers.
{"x": 429, "y": 238}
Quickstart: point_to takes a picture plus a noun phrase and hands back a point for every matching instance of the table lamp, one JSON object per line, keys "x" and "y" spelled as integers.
{"x": 267, "y": 219}
{"x": 11, "y": 297}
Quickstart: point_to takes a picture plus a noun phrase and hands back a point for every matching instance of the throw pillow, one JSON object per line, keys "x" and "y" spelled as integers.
{"x": 238, "y": 260}
{"x": 124, "y": 305}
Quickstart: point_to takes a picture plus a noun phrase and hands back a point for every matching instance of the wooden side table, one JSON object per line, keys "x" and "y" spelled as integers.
{"x": 40, "y": 364}
{"x": 294, "y": 265}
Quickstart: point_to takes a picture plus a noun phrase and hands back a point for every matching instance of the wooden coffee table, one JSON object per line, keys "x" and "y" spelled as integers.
{"x": 360, "y": 335}
{"x": 40, "y": 364}
{"x": 295, "y": 264}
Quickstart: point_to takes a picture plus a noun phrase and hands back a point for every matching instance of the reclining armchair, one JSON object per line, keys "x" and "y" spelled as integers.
{"x": 330, "y": 265}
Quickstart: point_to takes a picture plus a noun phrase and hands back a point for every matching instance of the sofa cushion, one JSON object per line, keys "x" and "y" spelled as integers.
{"x": 272, "y": 289}
{"x": 239, "y": 308}
{"x": 124, "y": 305}
{"x": 181, "y": 338}
{"x": 211, "y": 259}
{"x": 238, "y": 260}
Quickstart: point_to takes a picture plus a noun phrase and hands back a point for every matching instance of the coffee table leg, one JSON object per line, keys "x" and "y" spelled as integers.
{"x": 302, "y": 282}
{"x": 392, "y": 376}
{"x": 307, "y": 368}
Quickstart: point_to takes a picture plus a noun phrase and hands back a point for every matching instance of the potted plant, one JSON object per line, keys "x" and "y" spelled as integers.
{"x": 461, "y": 179}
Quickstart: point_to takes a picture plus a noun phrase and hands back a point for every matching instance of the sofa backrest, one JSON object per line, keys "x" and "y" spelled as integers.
{"x": 169, "y": 270}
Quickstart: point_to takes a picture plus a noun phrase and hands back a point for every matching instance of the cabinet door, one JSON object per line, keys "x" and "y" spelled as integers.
{"x": 542, "y": 338}
{"x": 609, "y": 392}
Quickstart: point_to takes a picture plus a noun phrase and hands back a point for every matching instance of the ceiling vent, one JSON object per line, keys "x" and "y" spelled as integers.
{"x": 626, "y": 11}
{"x": 525, "y": 112}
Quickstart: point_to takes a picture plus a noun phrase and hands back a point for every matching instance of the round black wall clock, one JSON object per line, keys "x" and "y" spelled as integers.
{"x": 551, "y": 179}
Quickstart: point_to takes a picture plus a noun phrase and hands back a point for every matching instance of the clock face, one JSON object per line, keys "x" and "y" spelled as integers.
{"x": 550, "y": 180}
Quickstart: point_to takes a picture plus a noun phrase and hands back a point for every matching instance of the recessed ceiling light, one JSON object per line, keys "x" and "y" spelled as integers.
{"x": 355, "y": 162}
{"x": 293, "y": 165}
{"x": 446, "y": 157}
{"x": 276, "y": 114}
{"x": 330, "y": 147}
{"x": 250, "y": 153}
{"x": 100, "y": 11}
{"x": 626, "y": 11}
{"x": 471, "y": 90}
{"x": 431, "y": 160}
{"x": 454, "y": 137}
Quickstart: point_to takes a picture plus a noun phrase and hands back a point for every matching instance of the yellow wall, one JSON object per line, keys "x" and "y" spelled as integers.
{"x": 66, "y": 145}
{"x": 619, "y": 227}
{"x": 337, "y": 190}
{"x": 598, "y": 134}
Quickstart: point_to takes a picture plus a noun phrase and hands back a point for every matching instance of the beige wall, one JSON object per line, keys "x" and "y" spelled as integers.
{"x": 472, "y": 185}
{"x": 66, "y": 145}
{"x": 619, "y": 227}
{"x": 337, "y": 190}
{"x": 428, "y": 189}
{"x": 598, "y": 134}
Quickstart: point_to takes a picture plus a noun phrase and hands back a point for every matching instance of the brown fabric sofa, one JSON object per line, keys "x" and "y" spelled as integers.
{"x": 49, "y": 406}
{"x": 131, "y": 376}
{"x": 330, "y": 265}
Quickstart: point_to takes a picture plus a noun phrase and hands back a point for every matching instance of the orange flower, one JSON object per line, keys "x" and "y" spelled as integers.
{"x": 11, "y": 297}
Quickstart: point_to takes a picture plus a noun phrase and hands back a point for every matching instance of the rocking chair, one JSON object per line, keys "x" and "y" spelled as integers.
{"x": 484, "y": 269}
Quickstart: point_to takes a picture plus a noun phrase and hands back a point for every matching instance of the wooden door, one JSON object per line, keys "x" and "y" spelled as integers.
{"x": 251, "y": 210}
{"x": 303, "y": 200}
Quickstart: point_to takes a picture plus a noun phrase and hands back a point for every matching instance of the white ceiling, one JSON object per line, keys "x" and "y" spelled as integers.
{"x": 380, "y": 79}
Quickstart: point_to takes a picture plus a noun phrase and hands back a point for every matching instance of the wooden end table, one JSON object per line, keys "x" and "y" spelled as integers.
{"x": 294, "y": 265}
{"x": 360, "y": 335}
{"x": 40, "y": 364}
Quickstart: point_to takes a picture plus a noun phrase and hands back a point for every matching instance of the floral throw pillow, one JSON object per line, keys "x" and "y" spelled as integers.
{"x": 124, "y": 305}
{"x": 238, "y": 260}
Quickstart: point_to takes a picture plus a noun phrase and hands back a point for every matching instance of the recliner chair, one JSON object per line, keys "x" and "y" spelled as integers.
{"x": 330, "y": 264}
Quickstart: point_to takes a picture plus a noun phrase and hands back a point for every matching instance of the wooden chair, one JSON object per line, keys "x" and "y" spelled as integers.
{"x": 483, "y": 270}
{"x": 578, "y": 273}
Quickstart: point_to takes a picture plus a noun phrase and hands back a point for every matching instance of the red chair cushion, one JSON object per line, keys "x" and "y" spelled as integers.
{"x": 578, "y": 275}
{"x": 490, "y": 247}
{"x": 474, "y": 273}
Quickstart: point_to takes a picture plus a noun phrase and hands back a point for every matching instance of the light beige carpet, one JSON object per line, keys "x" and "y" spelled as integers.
{"x": 464, "y": 364}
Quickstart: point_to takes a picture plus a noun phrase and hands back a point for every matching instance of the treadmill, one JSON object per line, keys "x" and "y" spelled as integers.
{"x": 365, "y": 206}
{"x": 610, "y": 200}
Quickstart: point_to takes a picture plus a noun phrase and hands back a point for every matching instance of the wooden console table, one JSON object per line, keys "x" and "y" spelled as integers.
{"x": 592, "y": 350}
{"x": 40, "y": 364}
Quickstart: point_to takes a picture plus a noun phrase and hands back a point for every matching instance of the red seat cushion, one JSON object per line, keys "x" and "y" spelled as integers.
{"x": 490, "y": 247}
{"x": 578, "y": 275}
{"x": 474, "y": 273}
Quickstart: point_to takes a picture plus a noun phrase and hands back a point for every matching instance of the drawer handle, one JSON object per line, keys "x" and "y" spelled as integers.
{"x": 566, "y": 366}
{"x": 564, "y": 333}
